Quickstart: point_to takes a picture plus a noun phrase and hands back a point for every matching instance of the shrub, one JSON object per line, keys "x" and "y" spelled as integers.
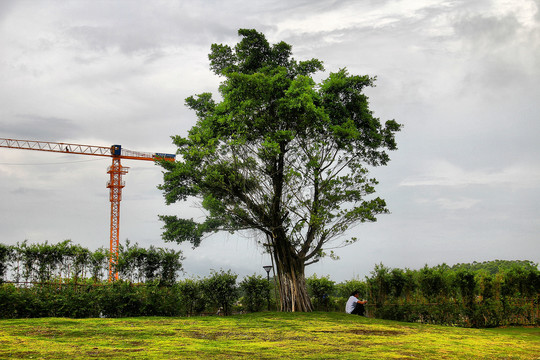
{"x": 191, "y": 297}
{"x": 379, "y": 285}
{"x": 158, "y": 300}
{"x": 256, "y": 293}
{"x": 320, "y": 289}
{"x": 221, "y": 290}
{"x": 433, "y": 283}
{"x": 120, "y": 299}
{"x": 9, "y": 299}
{"x": 345, "y": 289}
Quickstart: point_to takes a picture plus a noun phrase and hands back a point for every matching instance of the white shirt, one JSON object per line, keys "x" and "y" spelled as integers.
{"x": 351, "y": 303}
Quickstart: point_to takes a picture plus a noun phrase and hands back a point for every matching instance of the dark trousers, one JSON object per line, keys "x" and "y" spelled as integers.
{"x": 359, "y": 309}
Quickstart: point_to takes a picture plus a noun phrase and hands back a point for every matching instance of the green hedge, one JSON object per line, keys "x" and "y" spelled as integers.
{"x": 218, "y": 293}
{"x": 464, "y": 295}
{"x": 119, "y": 299}
{"x": 66, "y": 280}
{"x": 458, "y": 296}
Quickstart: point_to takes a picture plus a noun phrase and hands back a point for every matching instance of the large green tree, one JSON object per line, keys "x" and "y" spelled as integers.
{"x": 280, "y": 154}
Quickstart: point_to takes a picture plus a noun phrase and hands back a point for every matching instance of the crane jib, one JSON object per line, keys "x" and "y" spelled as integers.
{"x": 56, "y": 147}
{"x": 109, "y": 151}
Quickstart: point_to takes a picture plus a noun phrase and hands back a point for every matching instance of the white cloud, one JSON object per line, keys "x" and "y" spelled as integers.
{"x": 460, "y": 203}
{"x": 444, "y": 173}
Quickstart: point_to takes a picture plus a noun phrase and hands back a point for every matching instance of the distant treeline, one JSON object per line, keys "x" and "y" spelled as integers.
{"x": 496, "y": 266}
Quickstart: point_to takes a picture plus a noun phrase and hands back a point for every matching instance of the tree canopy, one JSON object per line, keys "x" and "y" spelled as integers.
{"x": 281, "y": 154}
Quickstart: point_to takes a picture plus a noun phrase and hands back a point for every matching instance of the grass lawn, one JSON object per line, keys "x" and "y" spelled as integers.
{"x": 258, "y": 336}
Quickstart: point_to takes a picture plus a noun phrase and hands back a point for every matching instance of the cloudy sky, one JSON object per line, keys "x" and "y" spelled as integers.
{"x": 462, "y": 76}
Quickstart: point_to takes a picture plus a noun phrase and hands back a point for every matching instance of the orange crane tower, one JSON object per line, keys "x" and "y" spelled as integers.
{"x": 115, "y": 171}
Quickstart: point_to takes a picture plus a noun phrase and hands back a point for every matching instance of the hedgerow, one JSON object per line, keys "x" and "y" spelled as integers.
{"x": 67, "y": 280}
{"x": 457, "y": 296}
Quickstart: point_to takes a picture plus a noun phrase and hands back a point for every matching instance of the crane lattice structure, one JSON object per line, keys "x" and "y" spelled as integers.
{"x": 115, "y": 171}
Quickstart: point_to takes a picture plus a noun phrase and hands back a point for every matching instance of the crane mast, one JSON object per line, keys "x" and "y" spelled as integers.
{"x": 115, "y": 183}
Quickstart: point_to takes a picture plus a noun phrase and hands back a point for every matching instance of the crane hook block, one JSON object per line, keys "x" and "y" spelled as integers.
{"x": 116, "y": 150}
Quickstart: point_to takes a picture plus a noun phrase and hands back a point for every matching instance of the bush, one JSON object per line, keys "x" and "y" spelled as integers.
{"x": 73, "y": 301}
{"x": 221, "y": 291}
{"x": 320, "y": 290}
{"x": 344, "y": 290}
{"x": 433, "y": 283}
{"x": 120, "y": 299}
{"x": 256, "y": 293}
{"x": 158, "y": 300}
{"x": 191, "y": 297}
{"x": 9, "y": 299}
{"x": 379, "y": 285}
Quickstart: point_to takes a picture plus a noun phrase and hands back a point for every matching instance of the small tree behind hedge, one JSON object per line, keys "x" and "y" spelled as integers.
{"x": 138, "y": 264}
{"x": 53, "y": 262}
{"x": 6, "y": 253}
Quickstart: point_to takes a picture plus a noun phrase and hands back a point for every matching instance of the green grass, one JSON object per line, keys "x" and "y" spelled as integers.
{"x": 258, "y": 336}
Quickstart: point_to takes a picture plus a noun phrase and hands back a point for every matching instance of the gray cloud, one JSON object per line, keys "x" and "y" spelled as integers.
{"x": 502, "y": 50}
{"x": 487, "y": 32}
{"x": 5, "y": 8}
{"x": 36, "y": 127}
{"x": 147, "y": 28}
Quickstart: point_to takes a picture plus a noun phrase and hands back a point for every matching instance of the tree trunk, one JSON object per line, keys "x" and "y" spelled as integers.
{"x": 292, "y": 282}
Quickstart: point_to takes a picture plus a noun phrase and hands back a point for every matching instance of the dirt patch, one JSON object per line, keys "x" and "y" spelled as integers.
{"x": 48, "y": 333}
{"x": 376, "y": 332}
{"x": 365, "y": 332}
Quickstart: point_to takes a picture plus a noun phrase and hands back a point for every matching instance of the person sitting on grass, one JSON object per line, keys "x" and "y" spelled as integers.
{"x": 355, "y": 306}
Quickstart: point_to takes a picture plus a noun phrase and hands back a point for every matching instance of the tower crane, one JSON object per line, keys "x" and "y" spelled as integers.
{"x": 115, "y": 171}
